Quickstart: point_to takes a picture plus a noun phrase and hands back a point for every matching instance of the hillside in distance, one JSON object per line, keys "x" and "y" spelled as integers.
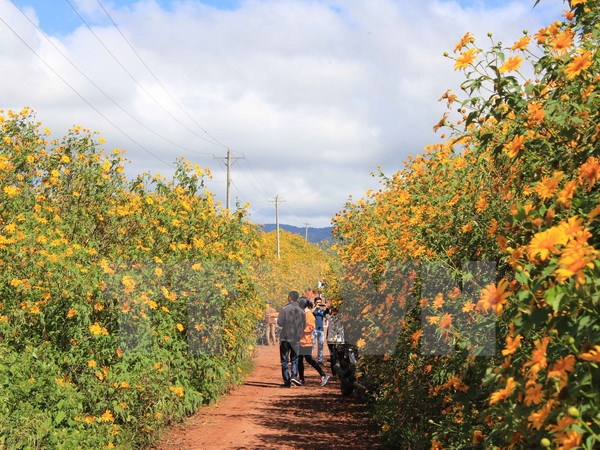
{"x": 315, "y": 235}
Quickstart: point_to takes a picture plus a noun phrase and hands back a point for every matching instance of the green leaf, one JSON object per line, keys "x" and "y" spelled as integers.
{"x": 60, "y": 417}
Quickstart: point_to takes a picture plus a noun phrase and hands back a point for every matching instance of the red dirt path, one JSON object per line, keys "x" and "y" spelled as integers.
{"x": 262, "y": 415}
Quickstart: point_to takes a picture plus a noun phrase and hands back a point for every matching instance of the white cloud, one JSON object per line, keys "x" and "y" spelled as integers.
{"x": 315, "y": 94}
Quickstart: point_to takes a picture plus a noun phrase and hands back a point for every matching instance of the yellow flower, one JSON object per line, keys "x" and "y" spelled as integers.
{"x": 107, "y": 416}
{"x": 538, "y": 356}
{"x": 537, "y": 418}
{"x": 575, "y": 258}
{"x": 545, "y": 242}
{"x": 511, "y": 345}
{"x": 438, "y": 302}
{"x": 89, "y": 419}
{"x": 562, "y": 41}
{"x": 521, "y": 43}
{"x": 158, "y": 272}
{"x": 589, "y": 173}
{"x": 512, "y": 63}
{"x": 562, "y": 366}
{"x": 466, "y": 39}
{"x": 92, "y": 363}
{"x": 548, "y": 185}
{"x": 579, "y": 64}
{"x": 11, "y": 191}
{"x": 168, "y": 295}
{"x": 502, "y": 394}
{"x": 534, "y": 394}
{"x": 514, "y": 147}
{"x": 179, "y": 327}
{"x": 177, "y": 390}
{"x": 467, "y": 57}
{"x": 570, "y": 439}
{"x": 592, "y": 355}
{"x": 96, "y": 329}
{"x": 494, "y": 297}
{"x": 129, "y": 284}
{"x": 566, "y": 194}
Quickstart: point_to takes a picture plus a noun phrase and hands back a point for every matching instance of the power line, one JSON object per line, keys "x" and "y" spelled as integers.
{"x": 257, "y": 179}
{"x": 251, "y": 183}
{"x": 135, "y": 80}
{"x": 101, "y": 90}
{"x": 156, "y": 78}
{"x": 81, "y": 96}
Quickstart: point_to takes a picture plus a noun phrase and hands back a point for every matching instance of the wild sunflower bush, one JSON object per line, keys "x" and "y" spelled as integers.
{"x": 124, "y": 304}
{"x": 301, "y": 265}
{"x": 504, "y": 351}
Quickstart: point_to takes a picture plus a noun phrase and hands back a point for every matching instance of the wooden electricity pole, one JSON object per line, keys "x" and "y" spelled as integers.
{"x": 277, "y": 201}
{"x": 229, "y": 160}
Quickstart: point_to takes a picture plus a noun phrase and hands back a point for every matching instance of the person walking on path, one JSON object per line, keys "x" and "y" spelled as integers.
{"x": 292, "y": 321}
{"x": 271, "y": 321}
{"x": 319, "y": 333}
{"x": 306, "y": 347}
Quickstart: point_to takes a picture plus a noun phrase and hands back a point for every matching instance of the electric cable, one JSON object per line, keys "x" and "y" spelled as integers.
{"x": 81, "y": 96}
{"x": 114, "y": 102}
{"x": 156, "y": 78}
{"x": 135, "y": 80}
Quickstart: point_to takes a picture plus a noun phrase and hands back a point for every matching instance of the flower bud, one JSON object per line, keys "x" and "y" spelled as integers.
{"x": 573, "y": 411}
{"x": 545, "y": 442}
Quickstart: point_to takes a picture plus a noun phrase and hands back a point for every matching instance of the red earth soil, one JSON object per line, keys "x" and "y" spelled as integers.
{"x": 260, "y": 414}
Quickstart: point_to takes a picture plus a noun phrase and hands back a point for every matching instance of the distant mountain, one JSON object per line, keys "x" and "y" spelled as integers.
{"x": 315, "y": 235}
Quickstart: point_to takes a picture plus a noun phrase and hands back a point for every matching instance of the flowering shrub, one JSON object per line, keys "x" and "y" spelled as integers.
{"x": 515, "y": 184}
{"x": 301, "y": 265}
{"x": 124, "y": 305}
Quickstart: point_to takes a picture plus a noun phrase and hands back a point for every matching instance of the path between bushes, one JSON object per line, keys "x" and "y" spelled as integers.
{"x": 262, "y": 415}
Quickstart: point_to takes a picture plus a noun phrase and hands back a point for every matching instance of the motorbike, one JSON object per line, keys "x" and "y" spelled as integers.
{"x": 345, "y": 367}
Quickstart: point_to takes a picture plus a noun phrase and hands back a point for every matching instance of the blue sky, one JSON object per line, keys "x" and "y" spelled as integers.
{"x": 315, "y": 94}
{"x": 57, "y": 17}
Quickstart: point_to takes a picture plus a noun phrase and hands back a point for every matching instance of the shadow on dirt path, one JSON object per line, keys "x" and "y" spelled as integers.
{"x": 260, "y": 414}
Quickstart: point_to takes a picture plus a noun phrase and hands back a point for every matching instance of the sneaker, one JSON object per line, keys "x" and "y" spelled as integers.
{"x": 296, "y": 382}
{"x": 325, "y": 379}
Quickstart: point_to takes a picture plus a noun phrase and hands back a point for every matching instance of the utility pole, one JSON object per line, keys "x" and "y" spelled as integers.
{"x": 277, "y": 201}
{"x": 228, "y": 163}
{"x": 306, "y": 224}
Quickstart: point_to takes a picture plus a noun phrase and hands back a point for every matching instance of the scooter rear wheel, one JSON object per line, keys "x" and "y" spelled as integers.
{"x": 347, "y": 389}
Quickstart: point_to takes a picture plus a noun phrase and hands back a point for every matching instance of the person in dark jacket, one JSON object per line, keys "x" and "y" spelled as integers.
{"x": 292, "y": 321}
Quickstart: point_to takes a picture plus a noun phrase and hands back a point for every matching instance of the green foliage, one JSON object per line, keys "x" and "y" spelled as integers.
{"x": 124, "y": 306}
{"x": 516, "y": 184}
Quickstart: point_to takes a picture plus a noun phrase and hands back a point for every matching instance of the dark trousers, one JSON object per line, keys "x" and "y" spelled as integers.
{"x": 332, "y": 359}
{"x": 288, "y": 353}
{"x": 312, "y": 362}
